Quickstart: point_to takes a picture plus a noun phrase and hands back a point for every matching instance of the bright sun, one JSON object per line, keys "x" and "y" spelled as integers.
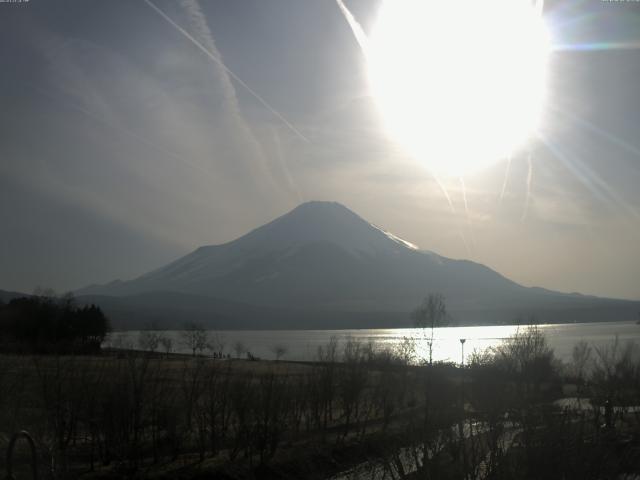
{"x": 461, "y": 84}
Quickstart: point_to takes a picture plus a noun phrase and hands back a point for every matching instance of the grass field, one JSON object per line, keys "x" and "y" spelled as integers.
{"x": 126, "y": 414}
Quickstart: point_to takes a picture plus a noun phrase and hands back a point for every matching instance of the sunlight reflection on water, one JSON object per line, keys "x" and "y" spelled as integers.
{"x": 303, "y": 344}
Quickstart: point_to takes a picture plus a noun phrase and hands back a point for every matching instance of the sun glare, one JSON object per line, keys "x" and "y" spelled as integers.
{"x": 461, "y": 84}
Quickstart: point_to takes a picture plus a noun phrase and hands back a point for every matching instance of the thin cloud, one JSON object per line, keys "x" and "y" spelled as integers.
{"x": 197, "y": 17}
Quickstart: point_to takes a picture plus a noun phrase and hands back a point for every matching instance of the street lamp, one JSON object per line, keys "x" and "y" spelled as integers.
{"x": 462, "y": 340}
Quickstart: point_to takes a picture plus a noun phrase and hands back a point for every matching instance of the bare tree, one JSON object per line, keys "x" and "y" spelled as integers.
{"x": 239, "y": 348}
{"x": 167, "y": 344}
{"x": 194, "y": 337}
{"x": 580, "y": 357}
{"x": 614, "y": 376}
{"x": 149, "y": 340}
{"x": 120, "y": 341}
{"x": 279, "y": 351}
{"x": 406, "y": 351}
{"x": 430, "y": 314}
{"x": 352, "y": 379}
{"x": 217, "y": 344}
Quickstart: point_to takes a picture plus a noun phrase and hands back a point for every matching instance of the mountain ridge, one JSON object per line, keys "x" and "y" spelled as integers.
{"x": 322, "y": 259}
{"x": 308, "y": 241}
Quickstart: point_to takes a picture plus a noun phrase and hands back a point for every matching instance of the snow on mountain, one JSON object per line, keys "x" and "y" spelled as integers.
{"x": 321, "y": 255}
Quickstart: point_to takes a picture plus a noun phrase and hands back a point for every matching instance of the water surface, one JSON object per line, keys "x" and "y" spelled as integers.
{"x": 303, "y": 344}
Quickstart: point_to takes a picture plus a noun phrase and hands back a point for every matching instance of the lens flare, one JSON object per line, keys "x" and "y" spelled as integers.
{"x": 460, "y": 84}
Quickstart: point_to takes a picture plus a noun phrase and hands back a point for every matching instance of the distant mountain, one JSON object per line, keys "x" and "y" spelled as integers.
{"x": 6, "y": 296}
{"x": 321, "y": 265}
{"x": 171, "y": 310}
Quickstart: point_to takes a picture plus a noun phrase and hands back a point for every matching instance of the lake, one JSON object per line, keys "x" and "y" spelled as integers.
{"x": 303, "y": 344}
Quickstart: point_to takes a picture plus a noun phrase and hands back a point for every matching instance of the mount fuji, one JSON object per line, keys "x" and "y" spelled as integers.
{"x": 323, "y": 266}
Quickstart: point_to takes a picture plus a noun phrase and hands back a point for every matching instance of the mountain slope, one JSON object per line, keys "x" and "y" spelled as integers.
{"x": 322, "y": 257}
{"x": 7, "y": 296}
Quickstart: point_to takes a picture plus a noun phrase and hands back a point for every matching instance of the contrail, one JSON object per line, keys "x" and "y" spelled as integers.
{"x": 464, "y": 196}
{"x": 591, "y": 180}
{"x": 589, "y": 177}
{"x": 226, "y": 69}
{"x": 356, "y": 28}
{"x": 453, "y": 211}
{"x": 200, "y": 28}
{"x": 363, "y": 42}
{"x": 466, "y": 209}
{"x": 284, "y": 166}
{"x": 506, "y": 178}
{"x": 446, "y": 193}
{"x": 124, "y": 131}
{"x": 464, "y": 241}
{"x": 528, "y": 197}
{"x": 599, "y": 131}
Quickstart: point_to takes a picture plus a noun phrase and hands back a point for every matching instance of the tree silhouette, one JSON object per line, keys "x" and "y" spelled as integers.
{"x": 279, "y": 351}
{"x": 430, "y": 314}
{"x": 48, "y": 324}
{"x": 194, "y": 337}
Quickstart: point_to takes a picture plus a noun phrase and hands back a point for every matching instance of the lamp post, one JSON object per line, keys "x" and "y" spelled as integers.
{"x": 462, "y": 340}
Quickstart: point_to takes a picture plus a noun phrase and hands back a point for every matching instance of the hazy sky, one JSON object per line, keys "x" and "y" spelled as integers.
{"x": 123, "y": 146}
